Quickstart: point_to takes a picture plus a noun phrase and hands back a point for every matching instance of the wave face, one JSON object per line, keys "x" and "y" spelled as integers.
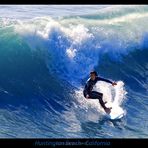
{"x": 45, "y": 61}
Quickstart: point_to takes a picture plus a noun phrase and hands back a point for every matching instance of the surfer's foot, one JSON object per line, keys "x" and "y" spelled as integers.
{"x": 108, "y": 110}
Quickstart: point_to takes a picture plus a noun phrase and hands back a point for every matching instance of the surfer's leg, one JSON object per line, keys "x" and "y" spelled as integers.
{"x": 99, "y": 96}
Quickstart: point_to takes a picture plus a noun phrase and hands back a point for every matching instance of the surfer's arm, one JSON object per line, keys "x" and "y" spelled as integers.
{"x": 108, "y": 81}
{"x": 87, "y": 88}
{"x": 105, "y": 80}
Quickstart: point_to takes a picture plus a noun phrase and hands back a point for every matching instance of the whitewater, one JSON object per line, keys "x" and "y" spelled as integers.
{"x": 46, "y": 54}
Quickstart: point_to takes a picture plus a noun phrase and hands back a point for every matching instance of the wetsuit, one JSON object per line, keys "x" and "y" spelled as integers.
{"x": 93, "y": 94}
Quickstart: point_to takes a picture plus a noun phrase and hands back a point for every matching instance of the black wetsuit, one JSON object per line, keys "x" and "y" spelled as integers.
{"x": 93, "y": 94}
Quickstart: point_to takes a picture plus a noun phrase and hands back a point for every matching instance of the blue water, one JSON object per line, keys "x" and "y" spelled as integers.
{"x": 46, "y": 53}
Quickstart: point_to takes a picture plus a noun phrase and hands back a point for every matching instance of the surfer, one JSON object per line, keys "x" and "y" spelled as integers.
{"x": 89, "y": 94}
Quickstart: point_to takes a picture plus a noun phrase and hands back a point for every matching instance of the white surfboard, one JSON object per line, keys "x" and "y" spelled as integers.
{"x": 116, "y": 112}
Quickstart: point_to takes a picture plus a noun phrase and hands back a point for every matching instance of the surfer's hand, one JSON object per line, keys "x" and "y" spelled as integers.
{"x": 114, "y": 83}
{"x": 87, "y": 96}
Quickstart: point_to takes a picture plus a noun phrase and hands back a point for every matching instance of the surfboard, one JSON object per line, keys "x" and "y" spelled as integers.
{"x": 116, "y": 113}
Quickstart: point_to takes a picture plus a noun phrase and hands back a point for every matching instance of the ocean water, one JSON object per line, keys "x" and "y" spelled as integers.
{"x": 46, "y": 54}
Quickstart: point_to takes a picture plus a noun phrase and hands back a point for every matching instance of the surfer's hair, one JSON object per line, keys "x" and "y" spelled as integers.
{"x": 94, "y": 72}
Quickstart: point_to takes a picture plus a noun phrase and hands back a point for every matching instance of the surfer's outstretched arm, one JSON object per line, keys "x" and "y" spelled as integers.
{"x": 106, "y": 80}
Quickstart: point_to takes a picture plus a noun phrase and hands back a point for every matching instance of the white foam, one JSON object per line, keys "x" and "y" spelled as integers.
{"x": 77, "y": 33}
{"x": 71, "y": 52}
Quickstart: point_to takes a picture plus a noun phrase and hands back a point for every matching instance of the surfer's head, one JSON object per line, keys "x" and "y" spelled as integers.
{"x": 93, "y": 75}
